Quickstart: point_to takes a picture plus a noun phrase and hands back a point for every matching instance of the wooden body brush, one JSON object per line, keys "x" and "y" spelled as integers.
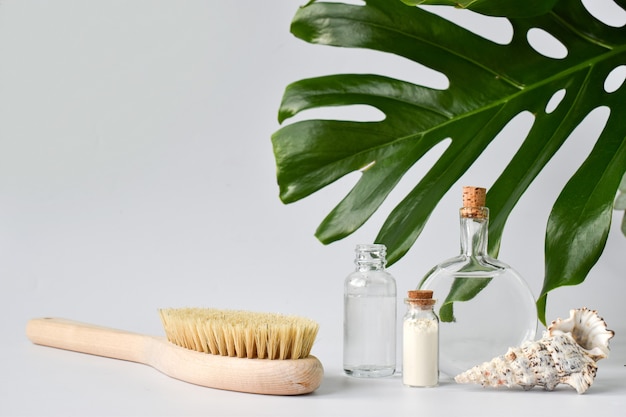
{"x": 258, "y": 353}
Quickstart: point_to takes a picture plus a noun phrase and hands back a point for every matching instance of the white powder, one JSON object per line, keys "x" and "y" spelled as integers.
{"x": 420, "y": 353}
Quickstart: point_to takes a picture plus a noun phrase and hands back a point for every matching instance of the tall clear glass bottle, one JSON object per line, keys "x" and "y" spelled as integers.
{"x": 369, "y": 322}
{"x": 484, "y": 305}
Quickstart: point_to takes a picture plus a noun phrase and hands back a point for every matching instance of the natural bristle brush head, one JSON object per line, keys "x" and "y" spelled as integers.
{"x": 242, "y": 334}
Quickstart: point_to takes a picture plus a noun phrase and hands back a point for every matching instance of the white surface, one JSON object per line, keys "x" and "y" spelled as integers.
{"x": 136, "y": 172}
{"x": 53, "y": 382}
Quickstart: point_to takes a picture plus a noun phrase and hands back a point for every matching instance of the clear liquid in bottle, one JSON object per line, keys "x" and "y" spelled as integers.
{"x": 369, "y": 331}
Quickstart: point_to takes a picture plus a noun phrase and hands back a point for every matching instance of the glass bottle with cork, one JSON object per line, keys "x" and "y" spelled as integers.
{"x": 420, "y": 345}
{"x": 488, "y": 307}
{"x": 369, "y": 325}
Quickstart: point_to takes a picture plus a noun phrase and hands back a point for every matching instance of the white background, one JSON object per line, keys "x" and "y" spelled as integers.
{"x": 136, "y": 172}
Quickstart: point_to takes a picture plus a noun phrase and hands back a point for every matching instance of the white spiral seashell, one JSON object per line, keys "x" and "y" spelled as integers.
{"x": 567, "y": 354}
{"x": 588, "y": 330}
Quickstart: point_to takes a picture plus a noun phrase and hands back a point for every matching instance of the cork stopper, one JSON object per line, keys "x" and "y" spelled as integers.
{"x": 420, "y": 297}
{"x": 474, "y": 202}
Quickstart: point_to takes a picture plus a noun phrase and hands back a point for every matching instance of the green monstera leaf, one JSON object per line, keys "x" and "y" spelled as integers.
{"x": 508, "y": 8}
{"x": 620, "y": 202}
{"x": 489, "y": 85}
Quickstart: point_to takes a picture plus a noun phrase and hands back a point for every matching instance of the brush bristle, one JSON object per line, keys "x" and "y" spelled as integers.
{"x": 242, "y": 334}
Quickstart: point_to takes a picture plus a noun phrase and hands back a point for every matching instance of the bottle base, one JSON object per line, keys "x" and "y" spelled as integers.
{"x": 369, "y": 372}
{"x": 421, "y": 386}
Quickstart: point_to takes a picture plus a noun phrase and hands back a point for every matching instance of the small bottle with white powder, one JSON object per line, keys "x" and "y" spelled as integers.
{"x": 420, "y": 341}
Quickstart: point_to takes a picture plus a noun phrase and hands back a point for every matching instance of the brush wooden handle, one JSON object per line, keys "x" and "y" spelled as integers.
{"x": 259, "y": 376}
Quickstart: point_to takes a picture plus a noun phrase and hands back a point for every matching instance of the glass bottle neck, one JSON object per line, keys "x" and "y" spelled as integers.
{"x": 474, "y": 233}
{"x": 418, "y": 307}
{"x": 370, "y": 257}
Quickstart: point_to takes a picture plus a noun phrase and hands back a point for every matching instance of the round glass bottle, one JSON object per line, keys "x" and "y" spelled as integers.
{"x": 420, "y": 341}
{"x": 485, "y": 306}
{"x": 369, "y": 322}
